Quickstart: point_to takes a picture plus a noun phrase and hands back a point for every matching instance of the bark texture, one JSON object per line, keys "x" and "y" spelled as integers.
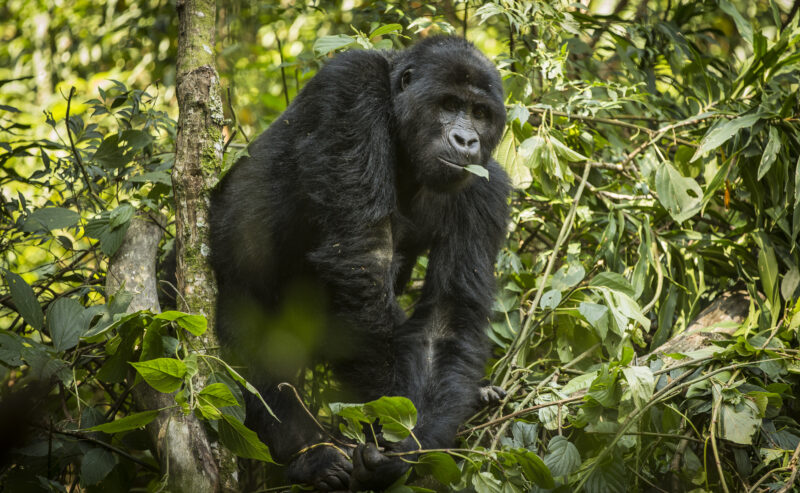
{"x": 198, "y": 160}
{"x": 181, "y": 445}
{"x": 732, "y": 306}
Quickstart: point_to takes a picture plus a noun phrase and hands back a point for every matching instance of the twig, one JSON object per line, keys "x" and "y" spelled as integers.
{"x": 81, "y": 436}
{"x": 521, "y": 412}
{"x": 793, "y": 465}
{"x": 519, "y": 341}
{"x": 77, "y": 155}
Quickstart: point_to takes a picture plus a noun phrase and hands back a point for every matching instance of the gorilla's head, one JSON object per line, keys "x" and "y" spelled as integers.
{"x": 448, "y": 103}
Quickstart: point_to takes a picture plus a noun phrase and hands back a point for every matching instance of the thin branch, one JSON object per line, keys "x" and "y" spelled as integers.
{"x": 122, "y": 453}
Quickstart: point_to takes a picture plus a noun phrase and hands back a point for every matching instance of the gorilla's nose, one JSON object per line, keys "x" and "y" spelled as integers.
{"x": 465, "y": 142}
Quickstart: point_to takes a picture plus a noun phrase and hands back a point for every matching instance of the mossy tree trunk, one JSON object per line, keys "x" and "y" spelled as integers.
{"x": 183, "y": 451}
{"x": 198, "y": 160}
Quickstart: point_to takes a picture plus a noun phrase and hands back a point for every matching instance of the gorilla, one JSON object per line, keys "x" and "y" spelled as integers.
{"x": 316, "y": 233}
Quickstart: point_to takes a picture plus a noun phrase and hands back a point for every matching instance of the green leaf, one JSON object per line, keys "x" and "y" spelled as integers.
{"x": 682, "y": 197}
{"x": 120, "y": 216}
{"x": 565, "y": 152}
{"x": 744, "y": 28}
{"x": 519, "y": 113}
{"x": 534, "y": 468}
{"x": 568, "y": 276}
{"x": 612, "y": 281}
{"x": 523, "y": 435}
{"x": 195, "y": 324}
{"x": 770, "y": 152}
{"x": 66, "y": 323}
{"x": 513, "y": 162}
{"x": 550, "y": 299}
{"x": 218, "y": 395}
{"x": 388, "y": 28}
{"x": 485, "y": 482}
{"x": 50, "y": 218}
{"x": 767, "y": 268}
{"x": 163, "y": 374}
{"x": 110, "y": 227}
{"x": 720, "y": 134}
{"x": 641, "y": 382}
{"x": 110, "y": 154}
{"x": 95, "y": 465}
{"x": 740, "y": 422}
{"x": 242, "y": 441}
{"x": 440, "y": 465}
{"x": 562, "y": 457}
{"x": 397, "y": 415}
{"x": 129, "y": 422}
{"x": 24, "y": 299}
{"x": 790, "y": 283}
{"x": 354, "y": 419}
{"x": 327, "y": 44}
{"x": 477, "y": 169}
{"x": 592, "y": 312}
{"x": 136, "y": 139}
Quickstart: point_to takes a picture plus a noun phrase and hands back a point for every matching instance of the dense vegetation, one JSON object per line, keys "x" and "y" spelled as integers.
{"x": 655, "y": 151}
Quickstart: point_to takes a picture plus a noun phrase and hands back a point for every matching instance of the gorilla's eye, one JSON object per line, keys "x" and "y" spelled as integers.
{"x": 480, "y": 112}
{"x": 451, "y": 104}
{"x": 406, "y": 79}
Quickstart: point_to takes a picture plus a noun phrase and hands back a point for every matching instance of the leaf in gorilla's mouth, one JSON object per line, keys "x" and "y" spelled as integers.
{"x": 451, "y": 164}
{"x": 475, "y": 169}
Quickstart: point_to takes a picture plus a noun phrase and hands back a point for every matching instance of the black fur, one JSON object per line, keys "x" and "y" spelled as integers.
{"x": 317, "y": 231}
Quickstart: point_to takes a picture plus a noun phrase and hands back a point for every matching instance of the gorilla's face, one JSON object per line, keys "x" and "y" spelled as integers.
{"x": 449, "y": 113}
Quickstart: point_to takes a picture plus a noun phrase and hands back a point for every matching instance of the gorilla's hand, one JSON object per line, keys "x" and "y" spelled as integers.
{"x": 372, "y": 470}
{"x": 491, "y": 395}
{"x": 323, "y": 467}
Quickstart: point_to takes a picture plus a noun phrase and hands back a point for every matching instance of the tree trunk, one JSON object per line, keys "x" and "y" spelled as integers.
{"x": 180, "y": 443}
{"x": 198, "y": 160}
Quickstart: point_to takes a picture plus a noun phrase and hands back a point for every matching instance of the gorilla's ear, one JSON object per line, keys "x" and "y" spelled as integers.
{"x": 405, "y": 80}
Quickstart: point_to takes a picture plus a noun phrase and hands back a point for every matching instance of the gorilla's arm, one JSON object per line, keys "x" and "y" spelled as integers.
{"x": 442, "y": 347}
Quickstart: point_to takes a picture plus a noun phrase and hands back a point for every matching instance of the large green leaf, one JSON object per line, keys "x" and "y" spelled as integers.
{"x": 562, "y": 456}
{"x": 327, "y": 44}
{"x": 241, "y": 440}
{"x": 440, "y": 465}
{"x": 130, "y": 422}
{"x": 163, "y": 374}
{"x": 50, "y": 218}
{"x": 682, "y": 197}
{"x": 513, "y": 162}
{"x": 195, "y": 324}
{"x": 95, "y": 465}
{"x": 641, "y": 382}
{"x": 24, "y": 299}
{"x": 66, "y": 323}
{"x": 739, "y": 422}
{"x": 770, "y": 152}
{"x": 397, "y": 416}
{"x": 720, "y": 134}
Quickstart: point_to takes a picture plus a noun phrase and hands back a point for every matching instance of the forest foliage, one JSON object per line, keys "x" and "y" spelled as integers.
{"x": 654, "y": 147}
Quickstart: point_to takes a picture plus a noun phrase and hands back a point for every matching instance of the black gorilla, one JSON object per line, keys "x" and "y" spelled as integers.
{"x": 317, "y": 231}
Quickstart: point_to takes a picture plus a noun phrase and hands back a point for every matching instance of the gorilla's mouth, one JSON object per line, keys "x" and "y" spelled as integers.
{"x": 451, "y": 164}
